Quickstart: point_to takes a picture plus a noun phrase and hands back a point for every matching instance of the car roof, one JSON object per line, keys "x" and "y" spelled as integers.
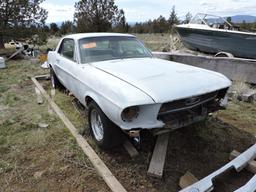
{"x": 85, "y": 35}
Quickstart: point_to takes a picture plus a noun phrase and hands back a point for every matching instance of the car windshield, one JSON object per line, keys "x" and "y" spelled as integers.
{"x": 95, "y": 49}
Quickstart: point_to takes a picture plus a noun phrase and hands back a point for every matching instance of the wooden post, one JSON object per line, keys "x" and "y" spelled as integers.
{"x": 156, "y": 165}
{"x": 187, "y": 180}
{"x": 38, "y": 96}
{"x": 130, "y": 148}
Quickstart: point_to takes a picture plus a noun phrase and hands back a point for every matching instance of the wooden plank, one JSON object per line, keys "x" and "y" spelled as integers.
{"x": 130, "y": 148}
{"x": 16, "y": 53}
{"x": 251, "y": 165}
{"x": 156, "y": 165}
{"x": 98, "y": 164}
{"x": 39, "y": 97}
{"x": 53, "y": 92}
{"x": 42, "y": 77}
{"x": 187, "y": 180}
{"x": 157, "y": 132}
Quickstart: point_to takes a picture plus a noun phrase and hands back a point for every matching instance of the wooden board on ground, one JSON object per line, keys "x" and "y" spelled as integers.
{"x": 157, "y": 162}
{"x": 98, "y": 164}
{"x": 130, "y": 148}
{"x": 42, "y": 77}
{"x": 187, "y": 180}
{"x": 157, "y": 132}
{"x": 251, "y": 165}
{"x": 39, "y": 97}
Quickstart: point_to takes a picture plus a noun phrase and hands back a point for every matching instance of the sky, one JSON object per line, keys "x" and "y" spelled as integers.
{"x": 142, "y": 10}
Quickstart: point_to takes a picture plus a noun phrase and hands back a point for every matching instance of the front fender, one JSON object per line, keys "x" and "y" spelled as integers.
{"x": 146, "y": 119}
{"x": 111, "y": 110}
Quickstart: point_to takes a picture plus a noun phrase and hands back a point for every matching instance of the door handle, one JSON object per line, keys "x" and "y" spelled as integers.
{"x": 57, "y": 60}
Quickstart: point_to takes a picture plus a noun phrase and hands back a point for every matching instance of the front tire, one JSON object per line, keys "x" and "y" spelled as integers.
{"x": 105, "y": 133}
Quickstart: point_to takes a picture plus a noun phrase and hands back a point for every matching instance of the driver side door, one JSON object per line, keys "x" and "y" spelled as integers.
{"x": 66, "y": 63}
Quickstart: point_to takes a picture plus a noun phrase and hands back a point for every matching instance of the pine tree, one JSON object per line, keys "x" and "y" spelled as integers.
{"x": 188, "y": 17}
{"x": 95, "y": 15}
{"x": 20, "y": 19}
{"x": 173, "y": 19}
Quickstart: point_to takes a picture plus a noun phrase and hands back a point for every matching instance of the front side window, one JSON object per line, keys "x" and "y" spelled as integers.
{"x": 95, "y": 49}
{"x": 67, "y": 48}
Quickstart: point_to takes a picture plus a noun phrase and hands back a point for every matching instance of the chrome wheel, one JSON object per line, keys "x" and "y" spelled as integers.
{"x": 96, "y": 125}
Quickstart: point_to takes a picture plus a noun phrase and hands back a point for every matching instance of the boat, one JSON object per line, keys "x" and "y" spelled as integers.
{"x": 213, "y": 34}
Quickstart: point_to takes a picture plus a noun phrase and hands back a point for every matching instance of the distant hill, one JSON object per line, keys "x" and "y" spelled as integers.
{"x": 241, "y": 18}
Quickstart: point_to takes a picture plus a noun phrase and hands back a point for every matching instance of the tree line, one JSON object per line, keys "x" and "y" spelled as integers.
{"x": 22, "y": 19}
{"x": 161, "y": 24}
{"x": 86, "y": 22}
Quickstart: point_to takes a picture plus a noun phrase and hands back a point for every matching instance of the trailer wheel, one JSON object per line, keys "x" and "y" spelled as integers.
{"x": 224, "y": 54}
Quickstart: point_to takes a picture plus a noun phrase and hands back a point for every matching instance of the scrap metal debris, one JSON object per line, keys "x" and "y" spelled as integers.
{"x": 238, "y": 163}
{"x": 249, "y": 96}
{"x": 23, "y": 50}
{"x": 242, "y": 92}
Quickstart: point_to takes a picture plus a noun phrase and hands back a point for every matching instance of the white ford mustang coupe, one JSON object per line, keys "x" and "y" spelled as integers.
{"x": 126, "y": 89}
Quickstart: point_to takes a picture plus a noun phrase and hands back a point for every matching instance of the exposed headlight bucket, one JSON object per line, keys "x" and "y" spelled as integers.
{"x": 130, "y": 113}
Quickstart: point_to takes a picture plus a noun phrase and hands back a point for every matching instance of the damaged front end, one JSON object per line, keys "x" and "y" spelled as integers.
{"x": 183, "y": 112}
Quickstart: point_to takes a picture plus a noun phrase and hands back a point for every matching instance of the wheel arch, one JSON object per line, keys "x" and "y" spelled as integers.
{"x": 104, "y": 104}
{"x": 89, "y": 97}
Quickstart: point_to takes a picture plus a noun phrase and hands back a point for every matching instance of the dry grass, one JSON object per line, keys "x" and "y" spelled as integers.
{"x": 160, "y": 42}
{"x": 155, "y": 42}
{"x": 52, "y": 43}
{"x": 240, "y": 87}
{"x": 34, "y": 158}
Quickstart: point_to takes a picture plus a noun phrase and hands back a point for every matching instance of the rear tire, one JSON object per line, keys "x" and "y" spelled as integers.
{"x": 56, "y": 84}
{"x": 105, "y": 133}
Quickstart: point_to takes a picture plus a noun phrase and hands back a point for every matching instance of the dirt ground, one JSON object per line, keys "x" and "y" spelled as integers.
{"x": 48, "y": 159}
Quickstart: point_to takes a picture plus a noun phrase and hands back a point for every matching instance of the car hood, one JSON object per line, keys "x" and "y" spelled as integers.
{"x": 164, "y": 80}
